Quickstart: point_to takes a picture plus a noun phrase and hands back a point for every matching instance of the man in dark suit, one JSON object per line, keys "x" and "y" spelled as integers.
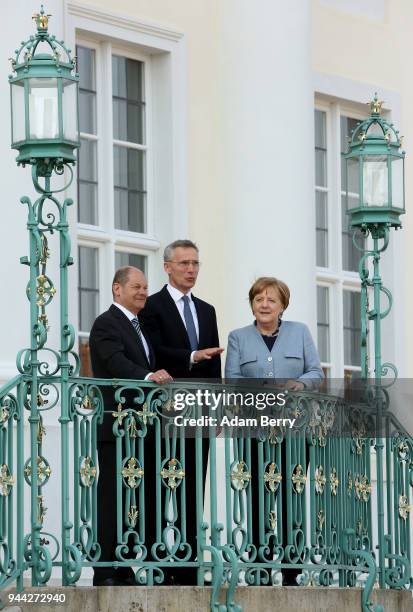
{"x": 183, "y": 331}
{"x": 119, "y": 348}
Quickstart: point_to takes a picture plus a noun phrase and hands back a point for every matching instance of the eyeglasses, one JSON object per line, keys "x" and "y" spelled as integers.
{"x": 186, "y": 264}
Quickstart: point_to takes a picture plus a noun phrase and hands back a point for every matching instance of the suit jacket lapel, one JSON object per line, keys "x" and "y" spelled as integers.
{"x": 200, "y": 313}
{"x": 132, "y": 333}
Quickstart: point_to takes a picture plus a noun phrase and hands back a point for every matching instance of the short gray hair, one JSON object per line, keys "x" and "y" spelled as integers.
{"x": 169, "y": 250}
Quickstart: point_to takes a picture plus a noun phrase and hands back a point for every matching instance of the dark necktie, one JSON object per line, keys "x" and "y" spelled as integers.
{"x": 135, "y": 323}
{"x": 190, "y": 325}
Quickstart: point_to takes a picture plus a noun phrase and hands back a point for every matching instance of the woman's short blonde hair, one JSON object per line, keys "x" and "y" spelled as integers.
{"x": 264, "y": 282}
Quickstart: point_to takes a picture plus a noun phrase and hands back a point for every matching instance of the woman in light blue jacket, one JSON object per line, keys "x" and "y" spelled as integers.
{"x": 272, "y": 349}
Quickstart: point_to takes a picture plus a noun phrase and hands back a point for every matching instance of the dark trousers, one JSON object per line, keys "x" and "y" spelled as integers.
{"x": 107, "y": 510}
{"x": 289, "y": 575}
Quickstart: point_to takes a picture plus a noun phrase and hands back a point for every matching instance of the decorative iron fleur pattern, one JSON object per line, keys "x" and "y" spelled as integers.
{"x": 120, "y": 414}
{"x": 272, "y": 477}
{"x": 41, "y": 509}
{"x": 174, "y": 474}
{"x": 87, "y": 402}
{"x": 320, "y": 479}
{"x": 133, "y": 472}
{"x": 334, "y": 481}
{"x": 240, "y": 476}
{"x": 320, "y": 519}
{"x": 41, "y": 431}
{"x": 87, "y": 471}
{"x": 299, "y": 479}
{"x": 349, "y": 483}
{"x": 404, "y": 507}
{"x": 6, "y": 480}
{"x": 4, "y": 414}
{"x": 133, "y": 515}
{"x": 131, "y": 428}
{"x": 362, "y": 488}
{"x": 45, "y": 290}
{"x": 43, "y": 471}
{"x": 273, "y": 520}
{"x": 403, "y": 450}
{"x": 145, "y": 414}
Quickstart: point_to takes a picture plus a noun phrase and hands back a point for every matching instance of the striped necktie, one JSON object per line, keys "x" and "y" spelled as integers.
{"x": 135, "y": 323}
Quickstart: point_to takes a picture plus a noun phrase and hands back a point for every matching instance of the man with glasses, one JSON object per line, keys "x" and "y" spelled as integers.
{"x": 183, "y": 331}
{"x": 182, "y": 327}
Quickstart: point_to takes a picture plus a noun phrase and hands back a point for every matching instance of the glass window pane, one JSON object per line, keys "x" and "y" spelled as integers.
{"x": 131, "y": 259}
{"x": 320, "y": 148}
{"x": 321, "y": 228}
{"x": 347, "y": 125}
{"x": 320, "y": 129}
{"x": 320, "y": 168}
{"x": 351, "y": 328}
{"x": 87, "y": 112}
{"x": 128, "y": 100}
{"x": 88, "y": 268}
{"x": 88, "y": 287}
{"x": 129, "y": 185}
{"x": 86, "y": 60}
{"x": 88, "y": 309}
{"x": 127, "y": 78}
{"x": 87, "y": 182}
{"x": 323, "y": 323}
{"x": 87, "y": 89}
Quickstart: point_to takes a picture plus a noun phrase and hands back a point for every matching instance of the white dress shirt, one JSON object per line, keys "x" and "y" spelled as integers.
{"x": 131, "y": 316}
{"x": 177, "y": 296}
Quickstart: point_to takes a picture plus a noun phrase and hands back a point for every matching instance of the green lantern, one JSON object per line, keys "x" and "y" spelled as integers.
{"x": 44, "y": 98}
{"x": 375, "y": 172}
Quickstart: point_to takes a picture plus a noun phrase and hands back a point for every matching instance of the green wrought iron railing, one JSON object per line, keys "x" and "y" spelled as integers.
{"x": 321, "y": 474}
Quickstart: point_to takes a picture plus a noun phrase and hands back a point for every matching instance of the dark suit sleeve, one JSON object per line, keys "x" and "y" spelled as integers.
{"x": 164, "y": 354}
{"x": 108, "y": 349}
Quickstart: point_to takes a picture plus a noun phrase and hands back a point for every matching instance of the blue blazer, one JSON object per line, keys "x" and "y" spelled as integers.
{"x": 293, "y": 356}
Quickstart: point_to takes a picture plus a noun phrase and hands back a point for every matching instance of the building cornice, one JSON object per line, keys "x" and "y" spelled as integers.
{"x": 95, "y": 13}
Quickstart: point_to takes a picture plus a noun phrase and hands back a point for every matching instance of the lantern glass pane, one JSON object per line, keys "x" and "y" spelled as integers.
{"x": 397, "y": 182}
{"x": 43, "y": 109}
{"x": 69, "y": 103}
{"x": 375, "y": 181}
{"x": 352, "y": 186}
{"x": 18, "y": 114}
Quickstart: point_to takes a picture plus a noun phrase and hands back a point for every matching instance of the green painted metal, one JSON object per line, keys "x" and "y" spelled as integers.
{"x": 324, "y": 477}
{"x": 32, "y": 66}
{"x": 374, "y": 141}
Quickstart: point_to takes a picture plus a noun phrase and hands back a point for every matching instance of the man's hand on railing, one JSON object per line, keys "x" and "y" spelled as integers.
{"x": 160, "y": 377}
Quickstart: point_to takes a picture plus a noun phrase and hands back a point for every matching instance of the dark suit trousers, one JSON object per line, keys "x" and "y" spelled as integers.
{"x": 289, "y": 575}
{"x": 107, "y": 511}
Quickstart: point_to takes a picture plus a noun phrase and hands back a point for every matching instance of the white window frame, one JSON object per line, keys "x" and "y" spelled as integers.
{"x": 163, "y": 52}
{"x": 333, "y": 276}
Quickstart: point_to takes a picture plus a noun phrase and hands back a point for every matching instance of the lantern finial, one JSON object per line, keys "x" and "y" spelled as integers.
{"x": 375, "y": 105}
{"x": 42, "y": 21}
